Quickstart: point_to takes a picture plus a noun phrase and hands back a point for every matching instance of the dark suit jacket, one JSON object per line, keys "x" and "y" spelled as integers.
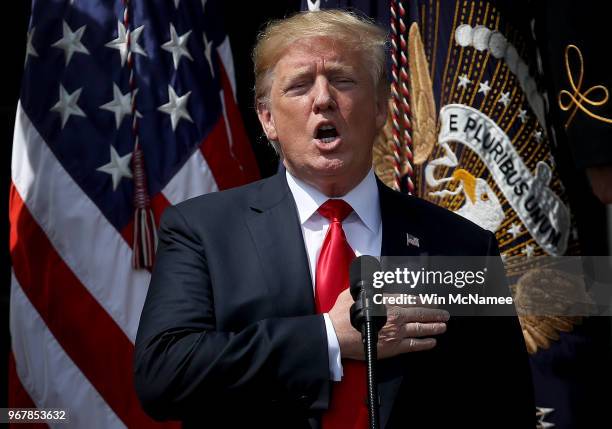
{"x": 229, "y": 336}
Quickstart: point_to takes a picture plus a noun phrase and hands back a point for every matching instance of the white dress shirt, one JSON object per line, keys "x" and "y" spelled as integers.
{"x": 363, "y": 230}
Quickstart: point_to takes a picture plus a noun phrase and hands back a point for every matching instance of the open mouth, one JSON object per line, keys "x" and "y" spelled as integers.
{"x": 327, "y": 133}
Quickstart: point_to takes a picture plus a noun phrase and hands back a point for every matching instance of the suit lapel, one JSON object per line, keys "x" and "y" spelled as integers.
{"x": 276, "y": 231}
{"x": 398, "y": 233}
{"x": 398, "y": 224}
{"x": 275, "y": 228}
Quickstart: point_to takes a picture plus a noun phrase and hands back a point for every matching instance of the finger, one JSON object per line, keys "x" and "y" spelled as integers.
{"x": 408, "y": 345}
{"x": 418, "y": 329}
{"x": 419, "y": 303}
{"x": 424, "y": 315}
{"x": 394, "y": 313}
{"x": 415, "y": 301}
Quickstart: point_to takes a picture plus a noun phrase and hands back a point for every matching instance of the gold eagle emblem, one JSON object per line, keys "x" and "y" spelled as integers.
{"x": 537, "y": 289}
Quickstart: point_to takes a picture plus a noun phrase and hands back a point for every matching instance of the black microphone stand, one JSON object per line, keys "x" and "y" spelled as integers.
{"x": 368, "y": 318}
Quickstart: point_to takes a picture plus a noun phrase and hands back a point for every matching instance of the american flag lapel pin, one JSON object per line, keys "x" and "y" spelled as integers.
{"x": 411, "y": 240}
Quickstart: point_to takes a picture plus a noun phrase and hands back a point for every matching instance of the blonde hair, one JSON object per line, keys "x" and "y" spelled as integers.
{"x": 353, "y": 31}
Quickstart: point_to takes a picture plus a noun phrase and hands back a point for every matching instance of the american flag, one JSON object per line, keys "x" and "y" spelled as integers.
{"x": 99, "y": 77}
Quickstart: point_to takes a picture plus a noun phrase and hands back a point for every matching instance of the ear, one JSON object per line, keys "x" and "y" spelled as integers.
{"x": 382, "y": 104}
{"x": 267, "y": 120}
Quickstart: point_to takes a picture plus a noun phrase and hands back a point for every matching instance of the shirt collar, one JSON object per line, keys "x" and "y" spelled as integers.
{"x": 363, "y": 198}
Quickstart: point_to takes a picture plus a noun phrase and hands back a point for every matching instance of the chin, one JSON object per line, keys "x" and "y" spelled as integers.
{"x": 331, "y": 167}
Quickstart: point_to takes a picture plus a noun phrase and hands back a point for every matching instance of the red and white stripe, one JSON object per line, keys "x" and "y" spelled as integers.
{"x": 69, "y": 389}
{"x": 75, "y": 298}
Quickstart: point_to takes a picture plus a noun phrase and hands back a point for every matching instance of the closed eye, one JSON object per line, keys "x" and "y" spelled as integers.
{"x": 343, "y": 81}
{"x": 297, "y": 87}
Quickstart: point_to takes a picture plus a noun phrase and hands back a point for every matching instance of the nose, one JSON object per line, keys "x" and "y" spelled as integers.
{"x": 324, "y": 99}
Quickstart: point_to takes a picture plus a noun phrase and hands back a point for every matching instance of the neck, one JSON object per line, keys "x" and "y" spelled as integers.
{"x": 334, "y": 187}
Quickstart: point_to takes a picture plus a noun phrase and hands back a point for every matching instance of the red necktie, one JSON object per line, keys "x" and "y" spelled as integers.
{"x": 347, "y": 408}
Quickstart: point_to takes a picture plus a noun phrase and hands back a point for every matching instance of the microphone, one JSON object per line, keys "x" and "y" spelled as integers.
{"x": 361, "y": 275}
{"x": 368, "y": 318}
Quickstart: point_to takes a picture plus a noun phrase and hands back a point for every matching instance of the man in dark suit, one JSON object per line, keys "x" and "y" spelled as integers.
{"x": 245, "y": 322}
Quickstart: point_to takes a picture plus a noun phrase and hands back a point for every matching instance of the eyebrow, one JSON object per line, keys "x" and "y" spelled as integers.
{"x": 338, "y": 68}
{"x": 332, "y": 68}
